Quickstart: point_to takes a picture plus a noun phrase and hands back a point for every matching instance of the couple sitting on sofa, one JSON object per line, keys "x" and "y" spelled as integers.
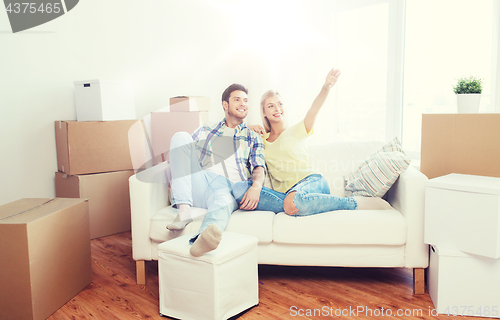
{"x": 221, "y": 167}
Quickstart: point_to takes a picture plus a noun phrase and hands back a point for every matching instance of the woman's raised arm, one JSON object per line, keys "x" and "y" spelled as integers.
{"x": 330, "y": 81}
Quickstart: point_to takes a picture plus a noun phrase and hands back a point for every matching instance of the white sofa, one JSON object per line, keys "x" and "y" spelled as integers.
{"x": 360, "y": 238}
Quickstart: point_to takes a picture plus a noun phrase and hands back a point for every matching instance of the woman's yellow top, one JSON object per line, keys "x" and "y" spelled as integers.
{"x": 287, "y": 158}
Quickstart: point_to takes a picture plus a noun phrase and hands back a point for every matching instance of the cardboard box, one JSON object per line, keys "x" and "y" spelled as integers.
{"x": 109, "y": 199}
{"x": 102, "y": 100}
{"x": 165, "y": 124}
{"x": 45, "y": 256}
{"x": 460, "y": 143}
{"x": 187, "y": 104}
{"x": 462, "y": 212}
{"x": 93, "y": 147}
{"x": 464, "y": 284}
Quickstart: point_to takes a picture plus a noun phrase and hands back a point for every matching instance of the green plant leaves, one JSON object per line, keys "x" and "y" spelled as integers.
{"x": 468, "y": 85}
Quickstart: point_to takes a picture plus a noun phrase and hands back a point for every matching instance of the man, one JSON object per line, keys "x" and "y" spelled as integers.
{"x": 205, "y": 165}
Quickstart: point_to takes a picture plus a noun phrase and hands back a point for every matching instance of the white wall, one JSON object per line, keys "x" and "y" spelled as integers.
{"x": 166, "y": 48}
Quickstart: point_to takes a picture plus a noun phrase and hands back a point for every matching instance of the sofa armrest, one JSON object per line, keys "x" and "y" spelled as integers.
{"x": 407, "y": 196}
{"x": 148, "y": 194}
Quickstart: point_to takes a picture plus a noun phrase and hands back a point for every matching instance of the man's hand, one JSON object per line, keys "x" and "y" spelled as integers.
{"x": 332, "y": 78}
{"x": 250, "y": 198}
{"x": 257, "y": 128}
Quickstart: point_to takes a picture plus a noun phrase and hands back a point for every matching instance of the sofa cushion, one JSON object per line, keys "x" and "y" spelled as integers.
{"x": 351, "y": 227}
{"x": 255, "y": 223}
{"x": 375, "y": 176}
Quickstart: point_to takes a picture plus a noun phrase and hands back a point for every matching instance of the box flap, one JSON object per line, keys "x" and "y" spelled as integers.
{"x": 13, "y": 208}
{"x": 447, "y": 252}
{"x": 67, "y": 186}
{"x": 467, "y": 183}
{"x": 29, "y": 209}
{"x": 61, "y": 130}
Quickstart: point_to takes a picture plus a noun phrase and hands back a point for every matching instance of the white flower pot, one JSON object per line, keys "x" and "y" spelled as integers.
{"x": 468, "y": 103}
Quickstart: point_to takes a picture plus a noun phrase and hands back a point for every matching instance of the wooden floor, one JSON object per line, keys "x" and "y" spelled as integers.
{"x": 284, "y": 292}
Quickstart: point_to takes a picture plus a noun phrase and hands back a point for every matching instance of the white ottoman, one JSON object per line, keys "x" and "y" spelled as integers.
{"x": 217, "y": 285}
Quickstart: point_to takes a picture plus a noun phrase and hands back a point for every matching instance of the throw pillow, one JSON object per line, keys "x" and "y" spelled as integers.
{"x": 375, "y": 176}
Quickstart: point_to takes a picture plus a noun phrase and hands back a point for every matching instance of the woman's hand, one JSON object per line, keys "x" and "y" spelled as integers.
{"x": 332, "y": 78}
{"x": 257, "y": 128}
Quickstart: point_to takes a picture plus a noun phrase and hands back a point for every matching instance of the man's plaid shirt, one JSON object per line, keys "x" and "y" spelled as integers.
{"x": 247, "y": 143}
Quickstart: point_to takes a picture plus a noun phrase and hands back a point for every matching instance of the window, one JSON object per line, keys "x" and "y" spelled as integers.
{"x": 444, "y": 40}
{"x": 368, "y": 49}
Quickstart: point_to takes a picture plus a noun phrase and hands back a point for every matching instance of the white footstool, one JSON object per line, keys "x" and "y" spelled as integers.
{"x": 217, "y": 285}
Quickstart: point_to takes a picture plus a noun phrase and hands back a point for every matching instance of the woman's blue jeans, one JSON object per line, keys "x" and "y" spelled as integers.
{"x": 312, "y": 197}
{"x": 269, "y": 200}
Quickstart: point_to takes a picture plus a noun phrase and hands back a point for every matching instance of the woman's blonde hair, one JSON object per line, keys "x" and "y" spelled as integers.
{"x": 267, "y": 94}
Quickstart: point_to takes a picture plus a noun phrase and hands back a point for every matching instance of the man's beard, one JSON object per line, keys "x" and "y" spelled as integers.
{"x": 237, "y": 114}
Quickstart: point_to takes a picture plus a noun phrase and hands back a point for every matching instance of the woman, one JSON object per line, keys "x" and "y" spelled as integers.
{"x": 300, "y": 187}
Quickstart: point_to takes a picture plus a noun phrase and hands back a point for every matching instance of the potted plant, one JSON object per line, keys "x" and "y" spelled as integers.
{"x": 468, "y": 92}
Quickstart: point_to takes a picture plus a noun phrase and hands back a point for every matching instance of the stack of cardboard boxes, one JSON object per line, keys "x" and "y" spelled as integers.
{"x": 460, "y": 153}
{"x": 97, "y": 154}
{"x": 45, "y": 243}
{"x": 93, "y": 154}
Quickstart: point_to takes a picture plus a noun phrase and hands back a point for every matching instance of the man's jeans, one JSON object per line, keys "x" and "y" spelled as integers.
{"x": 199, "y": 188}
{"x": 312, "y": 197}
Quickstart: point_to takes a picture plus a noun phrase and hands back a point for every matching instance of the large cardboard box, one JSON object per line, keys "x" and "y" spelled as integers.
{"x": 187, "y": 104}
{"x": 109, "y": 199}
{"x": 460, "y": 143}
{"x": 104, "y": 100}
{"x": 45, "y": 256}
{"x": 93, "y": 147}
{"x": 464, "y": 284}
{"x": 165, "y": 124}
{"x": 462, "y": 212}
